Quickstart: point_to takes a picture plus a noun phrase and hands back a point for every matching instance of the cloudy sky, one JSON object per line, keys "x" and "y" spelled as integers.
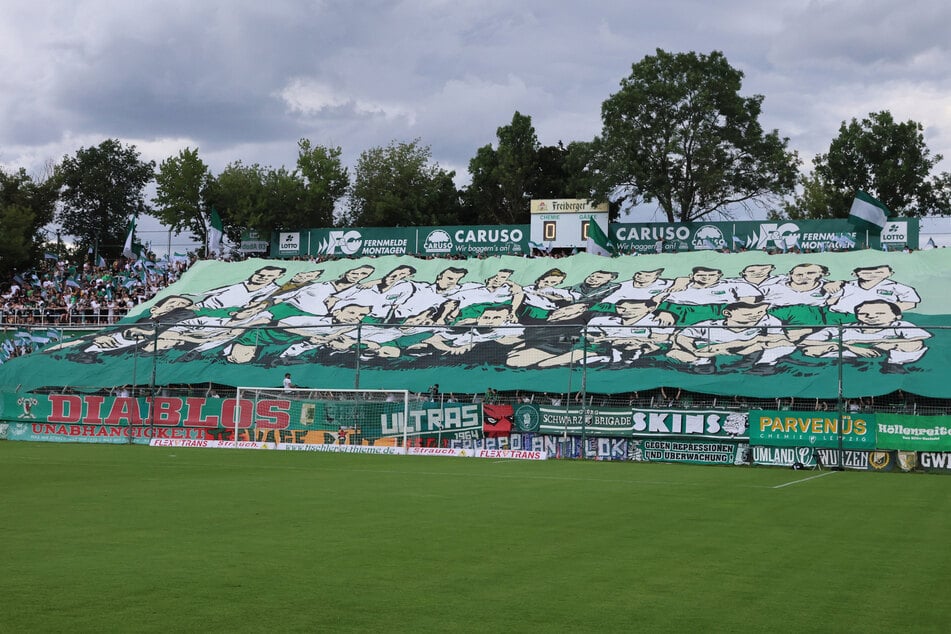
{"x": 244, "y": 80}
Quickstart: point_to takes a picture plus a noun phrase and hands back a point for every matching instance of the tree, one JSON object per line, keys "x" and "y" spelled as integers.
{"x": 678, "y": 133}
{"x": 238, "y": 195}
{"x": 26, "y": 206}
{"x": 102, "y": 187}
{"x": 879, "y": 156}
{"x": 182, "y": 189}
{"x": 397, "y": 185}
{"x": 326, "y": 181}
{"x": 503, "y": 180}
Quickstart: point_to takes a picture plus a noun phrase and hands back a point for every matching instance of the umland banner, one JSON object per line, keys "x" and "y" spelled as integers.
{"x": 746, "y": 324}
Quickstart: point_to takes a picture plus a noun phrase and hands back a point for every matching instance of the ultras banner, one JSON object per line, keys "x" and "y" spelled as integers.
{"x": 914, "y": 433}
{"x": 776, "y": 428}
{"x": 745, "y": 324}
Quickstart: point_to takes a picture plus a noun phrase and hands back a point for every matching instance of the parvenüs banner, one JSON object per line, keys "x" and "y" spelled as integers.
{"x": 780, "y": 236}
{"x": 780, "y": 428}
{"x": 745, "y": 324}
{"x": 914, "y": 433}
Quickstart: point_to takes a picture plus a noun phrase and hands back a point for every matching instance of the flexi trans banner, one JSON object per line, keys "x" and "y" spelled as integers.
{"x": 744, "y": 324}
{"x": 779, "y": 428}
{"x": 914, "y": 433}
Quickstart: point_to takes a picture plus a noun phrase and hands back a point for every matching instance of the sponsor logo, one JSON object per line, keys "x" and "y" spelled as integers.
{"x": 289, "y": 242}
{"x": 438, "y": 241}
{"x": 708, "y": 237}
{"x": 895, "y": 232}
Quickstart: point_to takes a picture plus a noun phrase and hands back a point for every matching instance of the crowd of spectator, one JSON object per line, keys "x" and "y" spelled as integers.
{"x": 60, "y": 293}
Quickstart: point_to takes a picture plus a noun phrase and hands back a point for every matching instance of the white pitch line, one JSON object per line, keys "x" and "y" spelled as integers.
{"x": 779, "y": 486}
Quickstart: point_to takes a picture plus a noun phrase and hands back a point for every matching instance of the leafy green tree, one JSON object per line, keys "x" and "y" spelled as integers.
{"x": 238, "y": 194}
{"x": 325, "y": 179}
{"x": 182, "y": 189}
{"x": 102, "y": 187}
{"x": 398, "y": 185}
{"x": 503, "y": 179}
{"x": 882, "y": 157}
{"x": 26, "y": 207}
{"x": 679, "y": 133}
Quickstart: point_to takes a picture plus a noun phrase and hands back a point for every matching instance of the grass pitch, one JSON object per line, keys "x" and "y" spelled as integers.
{"x": 132, "y": 538}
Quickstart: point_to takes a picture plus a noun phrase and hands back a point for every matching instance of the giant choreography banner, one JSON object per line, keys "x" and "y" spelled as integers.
{"x": 746, "y": 324}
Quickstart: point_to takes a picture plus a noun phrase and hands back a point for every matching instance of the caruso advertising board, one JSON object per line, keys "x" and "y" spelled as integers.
{"x": 469, "y": 240}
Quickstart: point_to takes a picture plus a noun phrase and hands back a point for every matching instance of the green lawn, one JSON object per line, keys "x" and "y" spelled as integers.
{"x": 132, "y": 538}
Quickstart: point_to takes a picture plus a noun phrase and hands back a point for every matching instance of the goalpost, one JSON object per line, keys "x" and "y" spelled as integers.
{"x": 344, "y": 417}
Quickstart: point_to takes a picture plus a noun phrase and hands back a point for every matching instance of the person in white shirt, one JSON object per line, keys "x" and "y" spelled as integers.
{"x": 880, "y": 331}
{"x": 704, "y": 295}
{"x": 746, "y": 330}
{"x": 870, "y": 283}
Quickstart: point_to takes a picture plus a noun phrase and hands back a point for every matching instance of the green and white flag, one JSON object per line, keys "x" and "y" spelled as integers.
{"x": 868, "y": 212}
{"x": 598, "y": 242}
{"x": 216, "y": 233}
{"x": 127, "y": 250}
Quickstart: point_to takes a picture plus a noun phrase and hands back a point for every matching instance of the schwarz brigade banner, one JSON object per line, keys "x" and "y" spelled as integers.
{"x": 781, "y": 428}
{"x": 816, "y": 236}
{"x": 745, "y": 324}
{"x": 627, "y": 422}
{"x": 914, "y": 433}
{"x": 470, "y": 241}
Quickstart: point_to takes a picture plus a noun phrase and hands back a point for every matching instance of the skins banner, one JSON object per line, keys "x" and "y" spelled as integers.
{"x": 776, "y": 428}
{"x": 746, "y": 324}
{"x": 626, "y": 422}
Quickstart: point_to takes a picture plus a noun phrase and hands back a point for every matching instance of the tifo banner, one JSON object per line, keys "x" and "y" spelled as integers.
{"x": 780, "y": 236}
{"x": 776, "y": 428}
{"x": 914, "y": 433}
{"x": 470, "y": 241}
{"x": 746, "y": 324}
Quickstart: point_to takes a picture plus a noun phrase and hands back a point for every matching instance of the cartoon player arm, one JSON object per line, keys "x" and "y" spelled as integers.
{"x": 518, "y": 296}
{"x": 665, "y": 318}
{"x": 441, "y": 344}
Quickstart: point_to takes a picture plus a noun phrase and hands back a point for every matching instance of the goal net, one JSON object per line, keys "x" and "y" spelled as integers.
{"x": 321, "y": 417}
